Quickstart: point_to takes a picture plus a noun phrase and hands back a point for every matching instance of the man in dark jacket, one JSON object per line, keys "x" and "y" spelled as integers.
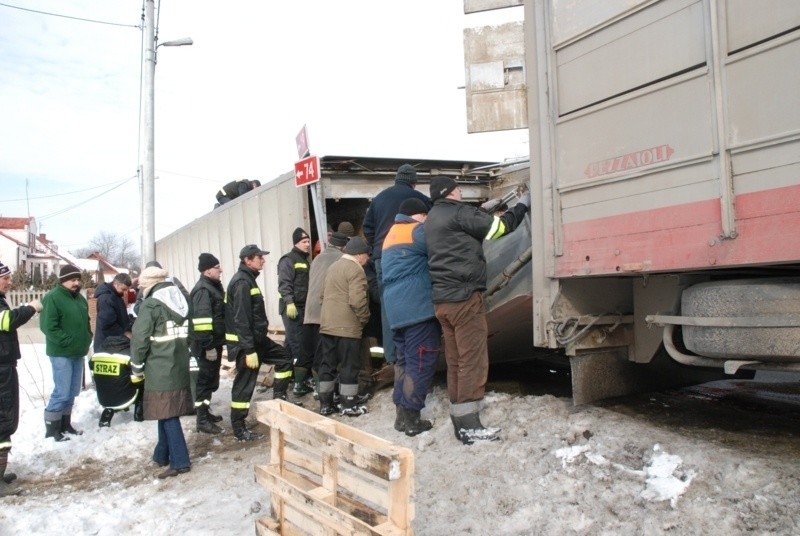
{"x": 112, "y": 315}
{"x": 206, "y": 337}
{"x": 377, "y": 222}
{"x": 246, "y": 327}
{"x": 10, "y": 321}
{"x": 234, "y": 189}
{"x": 293, "y": 282}
{"x": 454, "y": 232}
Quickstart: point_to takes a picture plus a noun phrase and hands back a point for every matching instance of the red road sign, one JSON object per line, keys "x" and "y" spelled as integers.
{"x": 306, "y": 171}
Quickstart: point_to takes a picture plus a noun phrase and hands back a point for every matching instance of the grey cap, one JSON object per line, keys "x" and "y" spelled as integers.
{"x": 251, "y": 250}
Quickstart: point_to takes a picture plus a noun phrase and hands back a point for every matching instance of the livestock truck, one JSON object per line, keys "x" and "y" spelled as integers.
{"x": 665, "y": 174}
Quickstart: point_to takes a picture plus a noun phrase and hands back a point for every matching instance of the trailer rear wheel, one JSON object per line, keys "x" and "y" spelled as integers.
{"x": 770, "y": 297}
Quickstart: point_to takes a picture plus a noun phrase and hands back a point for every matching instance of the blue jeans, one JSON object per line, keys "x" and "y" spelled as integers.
{"x": 67, "y": 382}
{"x": 171, "y": 447}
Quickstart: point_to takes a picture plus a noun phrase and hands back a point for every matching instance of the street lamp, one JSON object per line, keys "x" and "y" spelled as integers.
{"x": 148, "y": 168}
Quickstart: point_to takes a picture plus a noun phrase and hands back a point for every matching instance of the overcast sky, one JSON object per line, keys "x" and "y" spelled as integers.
{"x": 367, "y": 77}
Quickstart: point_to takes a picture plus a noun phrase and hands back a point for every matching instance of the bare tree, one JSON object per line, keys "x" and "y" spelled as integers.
{"x": 118, "y": 249}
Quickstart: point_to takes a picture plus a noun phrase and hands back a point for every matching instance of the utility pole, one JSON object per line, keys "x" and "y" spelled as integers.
{"x": 148, "y": 176}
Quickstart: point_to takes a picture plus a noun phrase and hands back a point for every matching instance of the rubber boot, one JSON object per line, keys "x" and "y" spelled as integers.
{"x": 415, "y": 425}
{"x": 138, "y": 409}
{"x": 66, "y": 425}
{"x": 300, "y": 386}
{"x": 279, "y": 388}
{"x": 53, "y": 429}
{"x": 400, "y": 418}
{"x": 204, "y": 425}
{"x": 212, "y": 417}
{"x": 7, "y": 487}
{"x": 351, "y": 407}
{"x": 469, "y": 429}
{"x": 315, "y": 379}
{"x": 240, "y": 431}
{"x": 326, "y": 403}
{"x": 105, "y": 417}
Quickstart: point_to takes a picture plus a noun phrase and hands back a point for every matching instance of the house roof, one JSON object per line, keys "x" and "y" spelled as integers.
{"x": 14, "y": 223}
{"x": 17, "y": 242}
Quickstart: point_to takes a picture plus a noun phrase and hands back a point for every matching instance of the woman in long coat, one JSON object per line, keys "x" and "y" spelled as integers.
{"x": 160, "y": 352}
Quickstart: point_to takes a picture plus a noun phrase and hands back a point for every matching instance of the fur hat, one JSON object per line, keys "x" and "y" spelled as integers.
{"x": 4, "y": 270}
{"x": 150, "y": 277}
{"x": 346, "y": 228}
{"x": 68, "y": 272}
{"x": 406, "y": 173}
{"x": 338, "y": 240}
{"x": 412, "y": 206}
{"x": 206, "y": 261}
{"x": 356, "y": 245}
{"x": 298, "y": 235}
{"x": 441, "y": 187}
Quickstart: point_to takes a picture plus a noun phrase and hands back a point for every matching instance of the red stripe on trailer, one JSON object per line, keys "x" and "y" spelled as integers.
{"x": 686, "y": 237}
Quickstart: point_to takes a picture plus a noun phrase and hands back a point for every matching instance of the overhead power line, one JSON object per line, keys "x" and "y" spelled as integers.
{"x": 67, "y": 193}
{"x": 69, "y": 17}
{"x": 67, "y": 209}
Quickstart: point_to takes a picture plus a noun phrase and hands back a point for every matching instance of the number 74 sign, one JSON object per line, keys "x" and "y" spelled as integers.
{"x": 306, "y": 171}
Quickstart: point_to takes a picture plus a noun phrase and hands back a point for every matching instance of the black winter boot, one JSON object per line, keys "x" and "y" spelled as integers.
{"x": 326, "y": 403}
{"x": 7, "y": 488}
{"x": 53, "y": 429}
{"x": 138, "y": 409}
{"x": 469, "y": 429}
{"x": 279, "y": 388}
{"x": 351, "y": 407}
{"x": 66, "y": 425}
{"x": 204, "y": 424}
{"x": 400, "y": 418}
{"x": 241, "y": 433}
{"x": 212, "y": 417}
{"x": 105, "y": 418}
{"x": 415, "y": 425}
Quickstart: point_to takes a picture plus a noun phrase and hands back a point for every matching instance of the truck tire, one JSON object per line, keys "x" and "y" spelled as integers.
{"x": 770, "y": 297}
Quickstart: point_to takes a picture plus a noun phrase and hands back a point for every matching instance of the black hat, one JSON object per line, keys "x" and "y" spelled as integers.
{"x": 153, "y": 263}
{"x": 412, "y": 206}
{"x": 251, "y": 250}
{"x": 356, "y": 245}
{"x": 206, "y": 261}
{"x": 441, "y": 187}
{"x": 4, "y": 270}
{"x": 68, "y": 272}
{"x": 298, "y": 235}
{"x": 406, "y": 173}
{"x": 338, "y": 240}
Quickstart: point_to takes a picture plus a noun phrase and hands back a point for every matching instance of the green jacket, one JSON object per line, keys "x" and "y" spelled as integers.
{"x": 64, "y": 320}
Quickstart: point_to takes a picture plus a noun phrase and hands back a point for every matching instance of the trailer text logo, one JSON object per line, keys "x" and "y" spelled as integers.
{"x": 629, "y": 161}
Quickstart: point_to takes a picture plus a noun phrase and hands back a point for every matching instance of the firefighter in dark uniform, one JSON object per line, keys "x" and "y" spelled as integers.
{"x": 206, "y": 337}
{"x": 293, "y": 270}
{"x": 117, "y": 389}
{"x": 234, "y": 189}
{"x": 246, "y": 327}
{"x": 10, "y": 320}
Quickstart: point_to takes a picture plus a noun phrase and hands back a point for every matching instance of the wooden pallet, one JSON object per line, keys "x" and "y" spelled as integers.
{"x": 325, "y": 477}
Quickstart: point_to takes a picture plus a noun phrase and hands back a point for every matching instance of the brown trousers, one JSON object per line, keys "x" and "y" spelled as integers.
{"x": 465, "y": 349}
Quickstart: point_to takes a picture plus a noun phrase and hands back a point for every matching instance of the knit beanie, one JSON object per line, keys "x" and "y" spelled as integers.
{"x": 68, "y": 272}
{"x": 412, "y": 206}
{"x": 406, "y": 173}
{"x": 441, "y": 187}
{"x": 206, "y": 261}
{"x": 150, "y": 277}
{"x": 356, "y": 245}
{"x": 4, "y": 270}
{"x": 298, "y": 235}
{"x": 338, "y": 240}
{"x": 346, "y": 228}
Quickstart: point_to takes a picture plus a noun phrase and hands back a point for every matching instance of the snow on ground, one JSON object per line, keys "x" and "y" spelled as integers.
{"x": 559, "y": 470}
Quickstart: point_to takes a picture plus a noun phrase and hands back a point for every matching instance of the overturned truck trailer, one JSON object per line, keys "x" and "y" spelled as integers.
{"x": 665, "y": 172}
{"x": 267, "y": 215}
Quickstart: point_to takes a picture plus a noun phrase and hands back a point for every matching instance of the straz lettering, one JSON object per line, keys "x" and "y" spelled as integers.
{"x": 629, "y": 161}
{"x": 106, "y": 369}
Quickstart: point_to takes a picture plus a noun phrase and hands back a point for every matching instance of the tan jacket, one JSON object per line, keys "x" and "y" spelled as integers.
{"x": 345, "y": 303}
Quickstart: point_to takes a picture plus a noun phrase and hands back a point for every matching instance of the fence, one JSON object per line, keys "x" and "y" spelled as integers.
{"x": 15, "y": 298}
